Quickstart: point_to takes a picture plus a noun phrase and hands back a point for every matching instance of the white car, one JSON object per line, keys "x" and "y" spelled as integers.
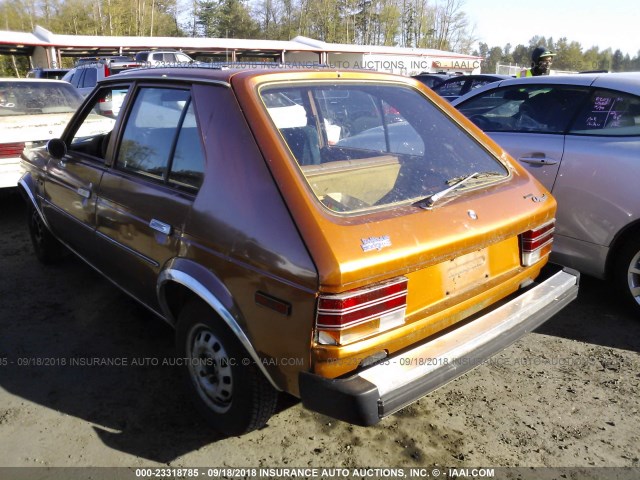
{"x": 164, "y": 58}
{"x": 32, "y": 111}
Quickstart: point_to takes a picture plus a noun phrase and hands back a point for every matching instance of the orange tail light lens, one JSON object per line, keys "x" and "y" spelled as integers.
{"x": 351, "y": 316}
{"x": 536, "y": 244}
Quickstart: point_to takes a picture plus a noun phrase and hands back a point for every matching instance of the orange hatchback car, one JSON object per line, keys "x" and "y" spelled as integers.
{"x": 345, "y": 237}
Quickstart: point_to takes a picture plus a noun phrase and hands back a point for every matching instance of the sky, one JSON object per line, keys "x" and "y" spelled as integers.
{"x": 612, "y": 23}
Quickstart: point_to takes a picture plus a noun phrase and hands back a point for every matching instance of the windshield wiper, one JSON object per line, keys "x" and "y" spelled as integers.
{"x": 456, "y": 180}
{"x": 455, "y": 183}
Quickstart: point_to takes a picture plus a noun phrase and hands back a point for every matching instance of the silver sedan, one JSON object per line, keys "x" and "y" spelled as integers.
{"x": 580, "y": 136}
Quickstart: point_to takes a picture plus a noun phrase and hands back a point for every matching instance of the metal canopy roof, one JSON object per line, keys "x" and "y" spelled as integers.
{"x": 20, "y": 43}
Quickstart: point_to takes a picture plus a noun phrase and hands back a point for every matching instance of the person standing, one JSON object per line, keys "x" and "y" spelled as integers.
{"x": 541, "y": 60}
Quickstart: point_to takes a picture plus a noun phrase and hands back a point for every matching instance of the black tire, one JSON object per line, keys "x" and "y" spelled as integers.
{"x": 46, "y": 247}
{"x": 626, "y": 273}
{"x": 225, "y": 384}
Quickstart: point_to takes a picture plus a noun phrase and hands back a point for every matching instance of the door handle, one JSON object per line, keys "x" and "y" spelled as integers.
{"x": 84, "y": 192}
{"x": 160, "y": 226}
{"x": 538, "y": 160}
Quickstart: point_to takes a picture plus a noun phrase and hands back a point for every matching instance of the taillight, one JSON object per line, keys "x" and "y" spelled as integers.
{"x": 107, "y": 72}
{"x": 105, "y": 99}
{"x": 347, "y": 317}
{"x": 10, "y": 150}
{"x": 536, "y": 244}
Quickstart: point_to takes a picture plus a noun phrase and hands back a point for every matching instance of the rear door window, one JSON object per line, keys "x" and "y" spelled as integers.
{"x": 76, "y": 77}
{"x": 161, "y": 140}
{"x": 609, "y": 113}
{"x": 90, "y": 78}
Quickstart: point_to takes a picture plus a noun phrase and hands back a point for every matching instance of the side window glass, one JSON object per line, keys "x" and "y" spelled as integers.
{"x": 187, "y": 167}
{"x": 479, "y": 83}
{"x": 531, "y": 108}
{"x": 609, "y": 113}
{"x": 451, "y": 88}
{"x": 75, "y": 79}
{"x": 90, "y": 77}
{"x": 150, "y": 131}
{"x": 94, "y": 131}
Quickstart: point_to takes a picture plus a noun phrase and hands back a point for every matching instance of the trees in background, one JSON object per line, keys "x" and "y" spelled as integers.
{"x": 569, "y": 56}
{"x": 438, "y": 24}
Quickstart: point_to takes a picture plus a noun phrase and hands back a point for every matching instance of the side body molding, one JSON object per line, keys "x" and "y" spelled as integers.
{"x": 211, "y": 290}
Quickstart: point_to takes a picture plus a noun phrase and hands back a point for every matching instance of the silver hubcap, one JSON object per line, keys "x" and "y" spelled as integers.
{"x": 633, "y": 277}
{"x": 210, "y": 368}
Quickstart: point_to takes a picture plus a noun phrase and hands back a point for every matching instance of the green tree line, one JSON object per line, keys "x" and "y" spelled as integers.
{"x": 438, "y": 24}
{"x": 570, "y": 56}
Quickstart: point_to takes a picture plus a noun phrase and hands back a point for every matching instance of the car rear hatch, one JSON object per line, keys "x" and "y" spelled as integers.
{"x": 414, "y": 219}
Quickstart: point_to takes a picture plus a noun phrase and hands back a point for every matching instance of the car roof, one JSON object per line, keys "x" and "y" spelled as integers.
{"x": 205, "y": 72}
{"x": 624, "y": 81}
{"x": 477, "y": 76}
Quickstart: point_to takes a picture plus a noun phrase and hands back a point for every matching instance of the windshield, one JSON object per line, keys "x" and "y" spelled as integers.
{"x": 36, "y": 98}
{"x": 368, "y": 146}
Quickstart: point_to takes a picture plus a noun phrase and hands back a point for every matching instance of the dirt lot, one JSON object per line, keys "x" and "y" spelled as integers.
{"x": 564, "y": 396}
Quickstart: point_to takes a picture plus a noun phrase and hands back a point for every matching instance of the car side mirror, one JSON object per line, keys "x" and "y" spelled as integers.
{"x": 56, "y": 148}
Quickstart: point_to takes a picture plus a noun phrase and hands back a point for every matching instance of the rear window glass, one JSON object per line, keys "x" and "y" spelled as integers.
{"x": 35, "y": 98}
{"x": 364, "y": 147}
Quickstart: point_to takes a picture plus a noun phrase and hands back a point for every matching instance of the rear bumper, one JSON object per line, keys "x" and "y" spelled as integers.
{"x": 380, "y": 390}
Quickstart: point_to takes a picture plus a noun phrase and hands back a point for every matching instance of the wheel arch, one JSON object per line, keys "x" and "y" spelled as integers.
{"x": 183, "y": 280}
{"x": 27, "y": 190}
{"x": 621, "y": 238}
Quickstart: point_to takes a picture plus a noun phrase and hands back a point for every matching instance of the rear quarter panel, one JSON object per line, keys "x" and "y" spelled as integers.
{"x": 241, "y": 229}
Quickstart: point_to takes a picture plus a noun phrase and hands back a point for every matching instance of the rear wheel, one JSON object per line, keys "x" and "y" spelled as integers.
{"x": 627, "y": 273}
{"x": 46, "y": 247}
{"x": 226, "y": 386}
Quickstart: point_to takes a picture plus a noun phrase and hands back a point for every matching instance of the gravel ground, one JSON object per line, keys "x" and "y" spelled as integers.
{"x": 564, "y": 396}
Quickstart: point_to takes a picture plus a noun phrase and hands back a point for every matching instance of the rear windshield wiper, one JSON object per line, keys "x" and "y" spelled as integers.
{"x": 455, "y": 183}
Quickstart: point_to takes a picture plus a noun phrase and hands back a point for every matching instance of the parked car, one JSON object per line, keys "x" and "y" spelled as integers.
{"x": 156, "y": 58}
{"x": 580, "y": 136}
{"x": 105, "y": 59}
{"x": 48, "y": 73}
{"x": 355, "y": 278}
{"x": 452, "y": 88}
{"x": 86, "y": 76}
{"x": 31, "y": 112}
{"x": 433, "y": 79}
